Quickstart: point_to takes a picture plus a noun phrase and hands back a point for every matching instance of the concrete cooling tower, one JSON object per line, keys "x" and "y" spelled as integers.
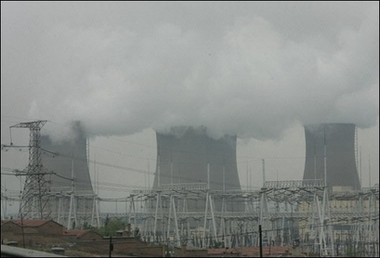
{"x": 70, "y": 157}
{"x": 185, "y": 154}
{"x": 339, "y": 139}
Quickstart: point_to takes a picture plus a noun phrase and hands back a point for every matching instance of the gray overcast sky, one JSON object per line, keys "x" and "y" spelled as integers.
{"x": 256, "y": 69}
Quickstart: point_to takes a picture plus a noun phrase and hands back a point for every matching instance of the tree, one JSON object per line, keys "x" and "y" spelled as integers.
{"x": 87, "y": 226}
{"x": 136, "y": 233}
{"x": 111, "y": 226}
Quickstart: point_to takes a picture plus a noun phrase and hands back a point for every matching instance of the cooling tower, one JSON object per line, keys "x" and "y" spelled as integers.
{"x": 185, "y": 154}
{"x": 339, "y": 141}
{"x": 70, "y": 157}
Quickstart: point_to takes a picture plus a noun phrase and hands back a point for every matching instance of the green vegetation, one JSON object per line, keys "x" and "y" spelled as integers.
{"x": 87, "y": 226}
{"x": 217, "y": 245}
{"x": 111, "y": 226}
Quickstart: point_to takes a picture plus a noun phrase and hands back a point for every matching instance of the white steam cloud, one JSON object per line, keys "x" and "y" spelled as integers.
{"x": 247, "y": 76}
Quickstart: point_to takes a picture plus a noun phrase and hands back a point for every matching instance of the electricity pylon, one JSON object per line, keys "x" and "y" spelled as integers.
{"x": 35, "y": 195}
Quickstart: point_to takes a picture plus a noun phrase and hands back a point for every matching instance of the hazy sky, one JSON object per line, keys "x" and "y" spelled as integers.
{"x": 259, "y": 70}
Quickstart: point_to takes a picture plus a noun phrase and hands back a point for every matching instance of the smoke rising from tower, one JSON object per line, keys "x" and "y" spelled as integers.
{"x": 67, "y": 158}
{"x": 249, "y": 73}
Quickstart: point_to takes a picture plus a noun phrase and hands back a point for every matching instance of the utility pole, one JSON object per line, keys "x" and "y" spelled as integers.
{"x": 171, "y": 169}
{"x": 72, "y": 200}
{"x": 263, "y": 162}
{"x": 369, "y": 170}
{"x": 324, "y": 156}
{"x": 261, "y": 241}
{"x": 110, "y": 247}
{"x": 158, "y": 166}
{"x": 360, "y": 167}
{"x": 315, "y": 158}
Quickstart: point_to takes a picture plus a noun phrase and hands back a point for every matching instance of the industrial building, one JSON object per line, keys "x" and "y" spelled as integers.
{"x": 327, "y": 213}
{"x": 196, "y": 198}
{"x": 68, "y": 160}
{"x": 332, "y": 148}
{"x": 189, "y": 155}
{"x": 72, "y": 200}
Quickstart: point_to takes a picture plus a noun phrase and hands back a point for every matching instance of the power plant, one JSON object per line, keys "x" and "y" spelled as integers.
{"x": 189, "y": 155}
{"x": 74, "y": 201}
{"x": 196, "y": 198}
{"x": 332, "y": 149}
{"x": 68, "y": 159}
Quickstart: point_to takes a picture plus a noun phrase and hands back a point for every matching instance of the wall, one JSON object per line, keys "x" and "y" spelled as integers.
{"x": 51, "y": 228}
{"x": 122, "y": 246}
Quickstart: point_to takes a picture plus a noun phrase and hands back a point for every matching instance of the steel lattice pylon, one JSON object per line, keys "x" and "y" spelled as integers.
{"x": 35, "y": 194}
{"x": 39, "y": 200}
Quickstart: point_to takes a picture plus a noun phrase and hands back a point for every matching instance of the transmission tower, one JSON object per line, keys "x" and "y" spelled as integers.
{"x": 36, "y": 191}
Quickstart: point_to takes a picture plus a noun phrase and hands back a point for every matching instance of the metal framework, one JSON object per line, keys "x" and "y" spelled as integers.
{"x": 323, "y": 221}
{"x": 305, "y": 212}
{"x": 37, "y": 201}
{"x": 65, "y": 208}
{"x": 68, "y": 210}
{"x": 35, "y": 194}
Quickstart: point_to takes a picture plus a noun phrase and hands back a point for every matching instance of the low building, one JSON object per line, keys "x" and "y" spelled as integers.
{"x": 78, "y": 235}
{"x": 33, "y": 232}
{"x": 47, "y": 234}
{"x": 189, "y": 251}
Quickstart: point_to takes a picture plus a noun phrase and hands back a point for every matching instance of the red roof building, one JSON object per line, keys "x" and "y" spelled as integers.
{"x": 74, "y": 235}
